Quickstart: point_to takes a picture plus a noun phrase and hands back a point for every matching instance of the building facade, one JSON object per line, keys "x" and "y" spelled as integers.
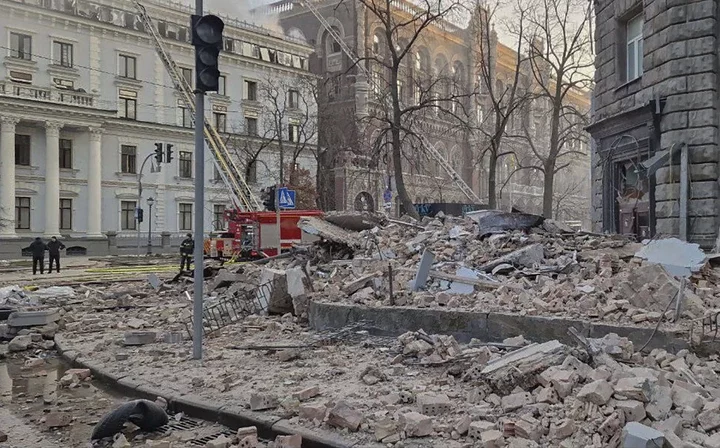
{"x": 83, "y": 100}
{"x": 655, "y": 104}
{"x": 357, "y": 176}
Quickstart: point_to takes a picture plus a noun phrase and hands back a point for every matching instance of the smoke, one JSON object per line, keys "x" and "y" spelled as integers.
{"x": 250, "y": 11}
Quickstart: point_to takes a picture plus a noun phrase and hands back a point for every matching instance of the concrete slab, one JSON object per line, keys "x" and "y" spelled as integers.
{"x": 679, "y": 258}
{"x": 423, "y": 271}
{"x": 32, "y": 318}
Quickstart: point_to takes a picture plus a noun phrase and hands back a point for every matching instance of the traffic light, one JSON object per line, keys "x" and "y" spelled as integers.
{"x": 269, "y": 201}
{"x": 139, "y": 214}
{"x": 168, "y": 153}
{"x": 159, "y": 152}
{"x": 207, "y": 40}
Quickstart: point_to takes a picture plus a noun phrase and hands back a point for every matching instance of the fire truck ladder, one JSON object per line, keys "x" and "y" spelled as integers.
{"x": 424, "y": 142}
{"x": 241, "y": 195}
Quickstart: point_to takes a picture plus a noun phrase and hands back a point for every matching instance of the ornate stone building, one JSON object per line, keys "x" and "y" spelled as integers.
{"x": 656, "y": 103}
{"x": 83, "y": 100}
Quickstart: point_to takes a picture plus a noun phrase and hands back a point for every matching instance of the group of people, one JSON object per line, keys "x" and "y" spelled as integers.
{"x": 38, "y": 249}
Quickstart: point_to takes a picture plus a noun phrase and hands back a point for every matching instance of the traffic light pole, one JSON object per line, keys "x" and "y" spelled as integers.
{"x": 138, "y": 205}
{"x": 199, "y": 213}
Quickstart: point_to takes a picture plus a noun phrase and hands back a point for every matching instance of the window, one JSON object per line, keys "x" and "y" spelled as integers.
{"x": 185, "y": 164}
{"x": 186, "y": 117}
{"x": 220, "y": 122}
{"x": 20, "y": 46}
{"x": 126, "y": 66}
{"x": 128, "y": 159}
{"x": 219, "y": 217}
{"x": 251, "y": 126}
{"x": 187, "y": 74}
{"x": 65, "y": 214}
{"x": 65, "y": 153}
{"x": 293, "y": 132}
{"x": 22, "y": 213}
{"x": 251, "y": 90}
{"x": 222, "y": 80}
{"x": 22, "y": 150}
{"x": 332, "y": 45}
{"x": 293, "y": 99}
{"x": 127, "y": 215}
{"x": 185, "y": 216}
{"x": 634, "y": 48}
{"x": 127, "y": 104}
{"x": 376, "y": 45}
{"x": 63, "y": 54}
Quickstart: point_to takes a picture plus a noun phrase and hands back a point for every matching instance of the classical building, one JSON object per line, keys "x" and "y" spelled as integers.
{"x": 355, "y": 177}
{"x": 83, "y": 100}
{"x": 655, "y": 124}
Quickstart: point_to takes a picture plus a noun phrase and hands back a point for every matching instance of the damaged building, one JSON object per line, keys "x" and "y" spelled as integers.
{"x": 655, "y": 156}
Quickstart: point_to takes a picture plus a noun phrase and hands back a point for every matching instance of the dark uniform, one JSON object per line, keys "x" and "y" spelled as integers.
{"x": 187, "y": 247}
{"x": 54, "y": 248}
{"x": 38, "y": 249}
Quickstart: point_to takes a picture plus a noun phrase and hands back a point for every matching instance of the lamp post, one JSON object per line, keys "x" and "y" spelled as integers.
{"x": 150, "y": 202}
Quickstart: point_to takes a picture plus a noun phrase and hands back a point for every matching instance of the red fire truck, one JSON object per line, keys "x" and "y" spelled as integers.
{"x": 253, "y": 235}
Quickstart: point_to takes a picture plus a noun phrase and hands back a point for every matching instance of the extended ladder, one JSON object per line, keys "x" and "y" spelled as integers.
{"x": 424, "y": 142}
{"x": 241, "y": 195}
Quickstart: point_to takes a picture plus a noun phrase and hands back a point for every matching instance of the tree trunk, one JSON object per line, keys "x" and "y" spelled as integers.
{"x": 492, "y": 181}
{"x": 548, "y": 187}
{"x": 406, "y": 205}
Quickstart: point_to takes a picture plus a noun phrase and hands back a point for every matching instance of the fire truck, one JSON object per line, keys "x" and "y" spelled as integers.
{"x": 253, "y": 235}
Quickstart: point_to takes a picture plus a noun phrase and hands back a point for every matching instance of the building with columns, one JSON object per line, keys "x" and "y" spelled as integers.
{"x": 83, "y": 100}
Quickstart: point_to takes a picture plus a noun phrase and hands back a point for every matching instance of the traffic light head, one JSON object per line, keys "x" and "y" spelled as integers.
{"x": 168, "y": 153}
{"x": 207, "y": 39}
{"x": 269, "y": 201}
{"x": 159, "y": 152}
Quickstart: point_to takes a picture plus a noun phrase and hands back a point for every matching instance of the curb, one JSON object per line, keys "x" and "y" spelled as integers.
{"x": 232, "y": 416}
{"x": 487, "y": 327}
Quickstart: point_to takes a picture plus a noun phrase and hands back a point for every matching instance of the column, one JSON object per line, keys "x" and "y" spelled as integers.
{"x": 52, "y": 178}
{"x": 7, "y": 176}
{"x": 94, "y": 226}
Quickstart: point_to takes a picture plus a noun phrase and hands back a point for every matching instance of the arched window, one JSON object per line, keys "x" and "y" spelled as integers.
{"x": 331, "y": 45}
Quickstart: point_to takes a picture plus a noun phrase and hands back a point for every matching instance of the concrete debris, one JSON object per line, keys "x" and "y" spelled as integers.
{"x": 33, "y": 318}
{"x": 219, "y": 442}
{"x": 416, "y": 425}
{"x": 139, "y": 337}
{"x": 528, "y": 257}
{"x": 429, "y": 348}
{"x": 260, "y": 402}
{"x": 678, "y": 257}
{"x": 636, "y": 435}
{"x": 20, "y": 343}
{"x": 342, "y": 415}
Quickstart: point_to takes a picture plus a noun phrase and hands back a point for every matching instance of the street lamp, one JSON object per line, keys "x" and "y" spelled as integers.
{"x": 150, "y": 202}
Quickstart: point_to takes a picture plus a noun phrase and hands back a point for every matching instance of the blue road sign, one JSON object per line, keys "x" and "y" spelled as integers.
{"x": 287, "y": 198}
{"x": 387, "y": 196}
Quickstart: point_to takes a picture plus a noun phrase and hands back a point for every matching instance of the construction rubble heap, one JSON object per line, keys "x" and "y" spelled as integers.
{"x": 419, "y": 389}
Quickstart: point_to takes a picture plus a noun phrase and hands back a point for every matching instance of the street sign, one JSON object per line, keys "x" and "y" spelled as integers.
{"x": 287, "y": 198}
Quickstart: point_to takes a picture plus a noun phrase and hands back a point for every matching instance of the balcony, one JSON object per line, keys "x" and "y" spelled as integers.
{"x": 48, "y": 95}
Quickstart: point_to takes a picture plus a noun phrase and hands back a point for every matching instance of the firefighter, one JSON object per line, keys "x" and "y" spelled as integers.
{"x": 54, "y": 247}
{"x": 187, "y": 247}
{"x": 38, "y": 249}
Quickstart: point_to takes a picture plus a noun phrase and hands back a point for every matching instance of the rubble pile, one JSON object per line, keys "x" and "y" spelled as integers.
{"x": 547, "y": 269}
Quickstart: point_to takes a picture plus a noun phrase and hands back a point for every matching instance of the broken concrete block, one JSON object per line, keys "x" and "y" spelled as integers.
{"x": 423, "y": 271}
{"x": 20, "y": 343}
{"x": 433, "y": 404}
{"x": 293, "y": 441}
{"x": 492, "y": 439}
{"x": 249, "y": 441}
{"x": 307, "y": 393}
{"x": 415, "y": 424}
{"x": 385, "y": 428}
{"x": 479, "y": 427}
{"x": 660, "y": 403}
{"x": 709, "y": 420}
{"x": 528, "y": 427}
{"x": 598, "y": 392}
{"x": 636, "y": 435}
{"x": 547, "y": 395}
{"x": 312, "y": 411}
{"x": 462, "y": 426}
{"x": 82, "y": 374}
{"x": 344, "y": 416}
{"x": 516, "y": 401}
{"x": 272, "y": 295}
{"x": 635, "y": 388}
{"x": 57, "y": 419}
{"x": 527, "y": 256}
{"x": 519, "y": 442}
{"x": 32, "y": 318}
{"x": 713, "y": 441}
{"x": 296, "y": 281}
{"x": 562, "y": 430}
{"x": 670, "y": 425}
{"x": 260, "y": 402}
{"x": 683, "y": 398}
{"x": 158, "y": 444}
{"x": 352, "y": 286}
{"x": 634, "y": 410}
{"x": 139, "y": 337}
{"x": 220, "y": 442}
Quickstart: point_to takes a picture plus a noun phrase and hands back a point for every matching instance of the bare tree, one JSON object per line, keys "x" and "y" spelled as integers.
{"x": 501, "y": 95}
{"x": 560, "y": 47}
{"x": 390, "y": 63}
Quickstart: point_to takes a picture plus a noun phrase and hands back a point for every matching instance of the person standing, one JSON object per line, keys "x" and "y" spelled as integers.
{"x": 54, "y": 248}
{"x": 38, "y": 249}
{"x": 187, "y": 247}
